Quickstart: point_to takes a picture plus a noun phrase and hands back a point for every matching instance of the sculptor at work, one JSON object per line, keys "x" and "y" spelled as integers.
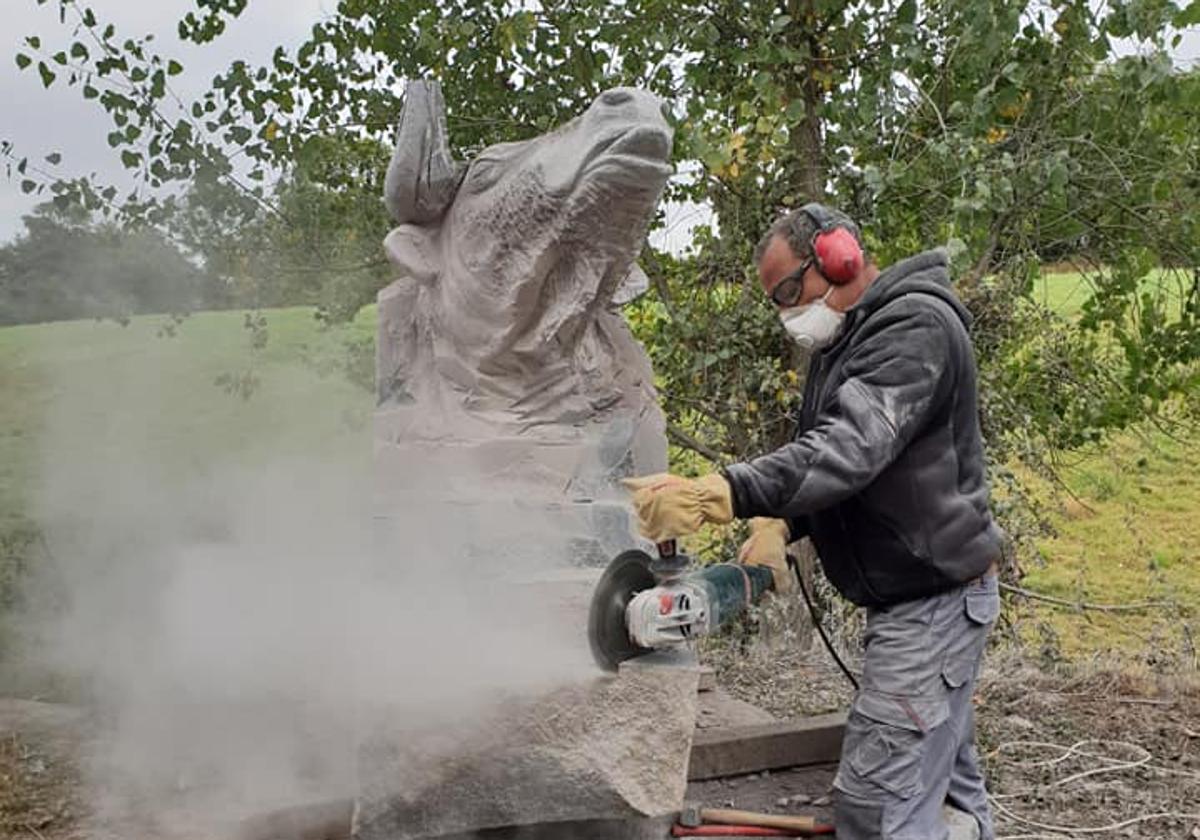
{"x": 886, "y": 475}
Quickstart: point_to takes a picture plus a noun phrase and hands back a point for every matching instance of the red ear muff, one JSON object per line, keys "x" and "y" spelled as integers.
{"x": 839, "y": 257}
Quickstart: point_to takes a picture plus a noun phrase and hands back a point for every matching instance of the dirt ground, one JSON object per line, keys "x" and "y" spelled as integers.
{"x": 1072, "y": 750}
{"x": 40, "y": 791}
{"x": 1080, "y": 752}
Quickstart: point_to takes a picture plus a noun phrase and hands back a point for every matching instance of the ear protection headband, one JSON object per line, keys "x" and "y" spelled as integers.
{"x": 837, "y": 253}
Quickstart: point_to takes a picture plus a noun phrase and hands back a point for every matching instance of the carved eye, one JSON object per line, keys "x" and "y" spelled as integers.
{"x": 483, "y": 173}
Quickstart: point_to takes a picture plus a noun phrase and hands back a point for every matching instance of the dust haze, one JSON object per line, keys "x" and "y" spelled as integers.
{"x": 240, "y": 618}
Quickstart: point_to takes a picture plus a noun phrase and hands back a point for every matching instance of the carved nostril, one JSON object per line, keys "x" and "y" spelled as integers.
{"x": 615, "y": 97}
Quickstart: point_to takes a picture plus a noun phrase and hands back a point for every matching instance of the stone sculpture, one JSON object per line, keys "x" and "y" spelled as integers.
{"x": 511, "y": 396}
{"x": 501, "y": 355}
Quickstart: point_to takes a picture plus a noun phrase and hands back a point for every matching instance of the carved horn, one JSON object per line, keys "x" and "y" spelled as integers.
{"x": 422, "y": 177}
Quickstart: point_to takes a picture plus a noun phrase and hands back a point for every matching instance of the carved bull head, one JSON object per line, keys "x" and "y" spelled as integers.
{"x": 509, "y": 270}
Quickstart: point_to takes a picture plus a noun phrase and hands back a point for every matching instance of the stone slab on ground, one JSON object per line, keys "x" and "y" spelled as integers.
{"x": 614, "y": 748}
{"x": 744, "y": 749}
{"x": 34, "y": 716}
{"x": 658, "y": 828}
{"x": 720, "y": 709}
{"x": 962, "y": 825}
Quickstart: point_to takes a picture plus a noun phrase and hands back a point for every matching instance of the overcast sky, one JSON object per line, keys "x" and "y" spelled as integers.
{"x": 40, "y": 121}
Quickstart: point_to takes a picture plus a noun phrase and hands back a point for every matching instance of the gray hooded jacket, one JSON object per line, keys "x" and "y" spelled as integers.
{"x": 886, "y": 472}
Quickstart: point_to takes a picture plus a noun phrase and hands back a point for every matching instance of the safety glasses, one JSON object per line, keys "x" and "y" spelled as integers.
{"x": 788, "y": 290}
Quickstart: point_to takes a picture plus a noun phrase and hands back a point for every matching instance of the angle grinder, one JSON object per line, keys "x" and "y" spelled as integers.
{"x": 644, "y": 603}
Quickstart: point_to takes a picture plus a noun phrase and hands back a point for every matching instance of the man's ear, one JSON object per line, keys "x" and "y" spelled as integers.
{"x": 413, "y": 250}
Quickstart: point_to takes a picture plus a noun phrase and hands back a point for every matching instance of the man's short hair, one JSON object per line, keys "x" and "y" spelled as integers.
{"x": 798, "y": 228}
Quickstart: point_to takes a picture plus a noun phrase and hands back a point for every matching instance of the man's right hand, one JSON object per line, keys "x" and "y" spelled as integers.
{"x": 767, "y": 546}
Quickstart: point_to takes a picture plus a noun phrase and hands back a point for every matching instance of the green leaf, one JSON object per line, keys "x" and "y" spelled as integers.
{"x": 90, "y": 92}
{"x": 1189, "y": 16}
{"x": 46, "y": 73}
{"x": 54, "y": 158}
{"x": 1059, "y": 176}
{"x": 23, "y": 60}
{"x": 28, "y": 186}
{"x": 174, "y": 68}
{"x": 130, "y": 159}
{"x": 79, "y": 51}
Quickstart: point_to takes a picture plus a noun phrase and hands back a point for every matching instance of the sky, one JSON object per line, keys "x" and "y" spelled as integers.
{"x": 40, "y": 121}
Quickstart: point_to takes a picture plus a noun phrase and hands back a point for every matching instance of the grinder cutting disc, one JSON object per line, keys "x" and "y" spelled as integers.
{"x": 628, "y": 574}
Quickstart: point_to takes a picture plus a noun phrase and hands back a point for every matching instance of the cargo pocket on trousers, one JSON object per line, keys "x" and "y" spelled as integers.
{"x": 981, "y": 607}
{"x": 885, "y": 745}
{"x": 983, "y": 603}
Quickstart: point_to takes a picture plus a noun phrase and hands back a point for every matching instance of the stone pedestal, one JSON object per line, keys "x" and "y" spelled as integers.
{"x": 612, "y": 750}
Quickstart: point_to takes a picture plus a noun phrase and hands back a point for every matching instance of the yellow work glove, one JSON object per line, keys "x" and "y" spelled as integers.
{"x": 767, "y": 546}
{"x": 670, "y": 506}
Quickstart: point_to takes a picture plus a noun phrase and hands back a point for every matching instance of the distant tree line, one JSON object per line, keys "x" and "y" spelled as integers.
{"x": 1013, "y": 134}
{"x": 65, "y": 266}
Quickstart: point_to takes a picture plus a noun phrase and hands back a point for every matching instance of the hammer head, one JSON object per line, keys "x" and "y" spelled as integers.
{"x": 690, "y": 816}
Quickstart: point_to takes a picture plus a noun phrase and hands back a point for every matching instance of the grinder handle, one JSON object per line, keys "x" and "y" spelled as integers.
{"x": 670, "y": 562}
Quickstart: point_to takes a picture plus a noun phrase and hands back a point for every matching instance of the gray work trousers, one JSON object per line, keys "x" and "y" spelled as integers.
{"x": 909, "y": 743}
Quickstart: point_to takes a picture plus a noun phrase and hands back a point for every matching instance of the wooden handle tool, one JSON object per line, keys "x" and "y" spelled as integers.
{"x": 727, "y": 816}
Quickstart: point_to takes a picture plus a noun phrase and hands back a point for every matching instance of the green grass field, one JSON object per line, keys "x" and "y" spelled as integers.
{"x": 1128, "y": 534}
{"x": 1124, "y": 533}
{"x": 94, "y": 386}
{"x": 1066, "y": 292}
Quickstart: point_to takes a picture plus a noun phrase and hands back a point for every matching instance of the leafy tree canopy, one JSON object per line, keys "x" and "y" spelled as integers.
{"x": 1008, "y": 131}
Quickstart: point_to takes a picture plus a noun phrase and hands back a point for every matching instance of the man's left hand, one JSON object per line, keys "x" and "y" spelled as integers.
{"x": 670, "y": 506}
{"x": 767, "y": 546}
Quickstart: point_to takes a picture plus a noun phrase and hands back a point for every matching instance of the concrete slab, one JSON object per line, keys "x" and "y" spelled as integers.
{"x": 719, "y": 710}
{"x": 731, "y": 750}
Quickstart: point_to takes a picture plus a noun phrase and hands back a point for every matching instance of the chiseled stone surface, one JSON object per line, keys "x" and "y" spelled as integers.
{"x": 502, "y": 326}
{"x": 614, "y": 749}
{"x": 511, "y": 397}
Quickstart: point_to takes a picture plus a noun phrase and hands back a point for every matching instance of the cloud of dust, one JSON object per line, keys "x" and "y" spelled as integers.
{"x": 239, "y": 619}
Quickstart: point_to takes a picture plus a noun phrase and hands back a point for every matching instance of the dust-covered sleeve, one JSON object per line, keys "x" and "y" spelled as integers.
{"x": 895, "y": 378}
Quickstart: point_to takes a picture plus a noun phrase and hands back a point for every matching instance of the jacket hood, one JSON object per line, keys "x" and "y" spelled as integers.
{"x": 927, "y": 272}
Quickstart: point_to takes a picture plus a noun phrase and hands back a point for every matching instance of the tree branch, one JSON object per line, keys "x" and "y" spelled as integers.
{"x": 682, "y": 438}
{"x": 1083, "y": 605}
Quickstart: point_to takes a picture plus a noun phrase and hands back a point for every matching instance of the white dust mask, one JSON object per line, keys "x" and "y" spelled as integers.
{"x": 813, "y": 325}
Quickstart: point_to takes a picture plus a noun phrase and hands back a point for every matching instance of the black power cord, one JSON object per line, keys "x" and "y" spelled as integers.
{"x": 812, "y": 610}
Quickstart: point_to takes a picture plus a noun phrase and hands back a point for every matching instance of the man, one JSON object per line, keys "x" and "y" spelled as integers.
{"x": 886, "y": 475}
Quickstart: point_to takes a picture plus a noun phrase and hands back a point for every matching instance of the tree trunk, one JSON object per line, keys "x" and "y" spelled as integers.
{"x": 808, "y": 135}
